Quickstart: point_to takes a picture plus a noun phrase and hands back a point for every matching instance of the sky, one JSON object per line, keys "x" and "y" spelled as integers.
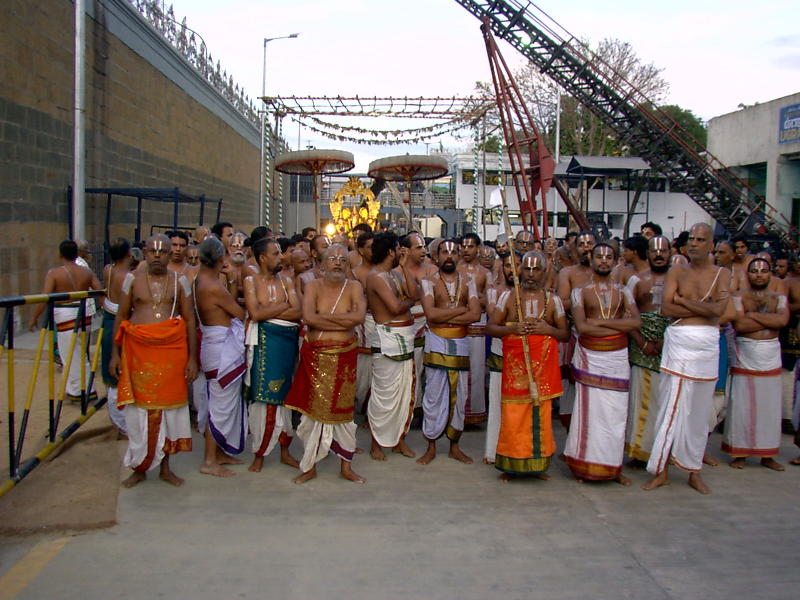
{"x": 714, "y": 54}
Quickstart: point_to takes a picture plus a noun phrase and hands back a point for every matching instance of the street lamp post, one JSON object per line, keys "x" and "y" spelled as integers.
{"x": 262, "y": 191}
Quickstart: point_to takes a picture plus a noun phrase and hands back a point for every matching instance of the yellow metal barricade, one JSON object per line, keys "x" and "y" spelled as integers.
{"x": 89, "y": 403}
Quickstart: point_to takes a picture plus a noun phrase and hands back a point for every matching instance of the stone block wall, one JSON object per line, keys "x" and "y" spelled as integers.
{"x": 143, "y": 130}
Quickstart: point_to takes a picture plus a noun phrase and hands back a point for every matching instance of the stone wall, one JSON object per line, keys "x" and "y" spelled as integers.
{"x": 151, "y": 121}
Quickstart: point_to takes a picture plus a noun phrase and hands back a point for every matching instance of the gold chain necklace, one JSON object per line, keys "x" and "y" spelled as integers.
{"x": 156, "y": 302}
{"x": 610, "y": 312}
{"x": 452, "y": 299}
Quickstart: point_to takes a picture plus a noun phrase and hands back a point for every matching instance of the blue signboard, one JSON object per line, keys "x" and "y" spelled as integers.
{"x": 789, "y": 124}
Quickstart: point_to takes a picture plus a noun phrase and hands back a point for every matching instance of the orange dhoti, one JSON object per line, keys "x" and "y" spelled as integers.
{"x": 526, "y": 443}
{"x": 153, "y": 359}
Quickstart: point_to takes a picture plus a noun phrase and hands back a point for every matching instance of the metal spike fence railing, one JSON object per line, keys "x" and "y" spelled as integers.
{"x": 89, "y": 404}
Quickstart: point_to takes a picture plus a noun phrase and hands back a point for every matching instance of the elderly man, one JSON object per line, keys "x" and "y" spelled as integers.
{"x": 154, "y": 360}
{"x": 451, "y": 304}
{"x": 223, "y": 360}
{"x": 272, "y": 335}
{"x": 604, "y": 313}
{"x": 753, "y": 422}
{"x": 531, "y": 375}
{"x": 696, "y": 295}
{"x": 323, "y": 389}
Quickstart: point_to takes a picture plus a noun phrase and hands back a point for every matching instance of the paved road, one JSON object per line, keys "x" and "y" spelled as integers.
{"x": 445, "y": 531}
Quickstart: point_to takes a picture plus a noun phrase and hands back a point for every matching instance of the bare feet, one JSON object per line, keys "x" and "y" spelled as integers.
{"x": 711, "y": 462}
{"x": 737, "y": 463}
{"x": 170, "y": 477}
{"x": 402, "y": 448}
{"x": 429, "y": 455}
{"x": 358, "y": 450}
{"x": 307, "y": 476}
{"x": 773, "y": 464}
{"x": 255, "y": 466}
{"x": 698, "y": 484}
{"x": 226, "y": 459}
{"x": 288, "y": 459}
{"x": 348, "y": 473}
{"x": 376, "y": 452}
{"x": 622, "y": 480}
{"x": 543, "y": 476}
{"x": 657, "y": 481}
{"x": 488, "y": 461}
{"x": 505, "y": 477}
{"x": 135, "y": 478}
{"x": 795, "y": 461}
{"x": 458, "y": 454}
{"x": 216, "y": 470}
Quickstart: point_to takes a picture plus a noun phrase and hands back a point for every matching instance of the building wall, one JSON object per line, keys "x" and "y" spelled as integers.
{"x": 750, "y": 136}
{"x": 152, "y": 121}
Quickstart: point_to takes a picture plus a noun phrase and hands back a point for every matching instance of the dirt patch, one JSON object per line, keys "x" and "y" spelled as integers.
{"x": 78, "y": 486}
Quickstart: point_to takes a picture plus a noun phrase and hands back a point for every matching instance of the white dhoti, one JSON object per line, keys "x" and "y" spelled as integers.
{"x": 494, "y": 364}
{"x": 596, "y": 440}
{"x": 152, "y": 434}
{"x": 689, "y": 370}
{"x": 65, "y": 317}
{"x": 475, "y": 410}
{"x": 391, "y": 401}
{"x": 364, "y": 334}
{"x": 321, "y": 438}
{"x": 222, "y": 354}
{"x": 269, "y": 424}
{"x": 566, "y": 350}
{"x": 753, "y": 422}
{"x": 446, "y": 385}
{"x": 420, "y": 326}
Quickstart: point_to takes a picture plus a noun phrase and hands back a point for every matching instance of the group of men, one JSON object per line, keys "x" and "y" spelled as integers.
{"x": 262, "y": 329}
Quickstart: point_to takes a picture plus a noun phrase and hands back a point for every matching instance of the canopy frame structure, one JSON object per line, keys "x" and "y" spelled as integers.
{"x": 168, "y": 195}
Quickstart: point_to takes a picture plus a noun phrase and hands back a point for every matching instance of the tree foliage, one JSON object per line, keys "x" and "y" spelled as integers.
{"x": 693, "y": 124}
{"x": 581, "y": 131}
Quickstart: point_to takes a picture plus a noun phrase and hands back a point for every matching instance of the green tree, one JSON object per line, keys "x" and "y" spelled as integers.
{"x": 693, "y": 124}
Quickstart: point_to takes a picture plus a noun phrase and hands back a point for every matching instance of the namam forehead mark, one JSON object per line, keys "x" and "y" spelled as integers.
{"x": 448, "y": 246}
{"x": 604, "y": 252}
{"x": 420, "y": 241}
{"x": 469, "y": 243}
{"x": 658, "y": 243}
{"x": 764, "y": 261}
{"x": 158, "y": 243}
{"x": 532, "y": 260}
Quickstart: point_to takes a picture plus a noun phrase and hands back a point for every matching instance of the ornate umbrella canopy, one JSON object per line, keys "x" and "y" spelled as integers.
{"x": 314, "y": 162}
{"x": 408, "y": 167}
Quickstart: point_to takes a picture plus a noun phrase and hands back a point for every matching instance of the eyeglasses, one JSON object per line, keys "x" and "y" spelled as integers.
{"x": 338, "y": 259}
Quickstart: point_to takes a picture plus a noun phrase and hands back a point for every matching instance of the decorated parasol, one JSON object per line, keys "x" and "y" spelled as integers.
{"x": 314, "y": 162}
{"x": 408, "y": 168}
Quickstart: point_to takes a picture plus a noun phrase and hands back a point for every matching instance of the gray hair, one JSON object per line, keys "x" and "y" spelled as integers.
{"x": 331, "y": 247}
{"x": 211, "y": 250}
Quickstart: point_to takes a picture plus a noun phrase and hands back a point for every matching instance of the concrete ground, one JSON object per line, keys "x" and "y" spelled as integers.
{"x": 445, "y": 530}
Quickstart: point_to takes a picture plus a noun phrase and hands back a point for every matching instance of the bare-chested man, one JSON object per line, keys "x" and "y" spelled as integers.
{"x": 529, "y": 381}
{"x": 200, "y": 233}
{"x": 222, "y": 357}
{"x": 301, "y": 263}
{"x": 274, "y": 310}
{"x": 114, "y": 273}
{"x": 223, "y": 230}
{"x": 524, "y": 241}
{"x": 604, "y": 313}
{"x": 234, "y": 267}
{"x": 193, "y": 256}
{"x": 741, "y": 259}
{"x": 634, "y": 251}
{"x": 324, "y": 385}
{"x": 571, "y": 278}
{"x": 412, "y": 247}
{"x": 753, "y": 419}
{"x": 355, "y": 257}
{"x": 567, "y": 255}
{"x": 69, "y": 277}
{"x": 318, "y": 246}
{"x": 451, "y": 304}
{"x": 390, "y": 296}
{"x": 644, "y": 352}
{"x": 364, "y": 250}
{"x": 696, "y": 295}
{"x": 179, "y": 243}
{"x": 154, "y": 359}
{"x": 470, "y": 266}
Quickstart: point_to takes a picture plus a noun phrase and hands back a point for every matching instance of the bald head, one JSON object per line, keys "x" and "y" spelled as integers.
{"x": 156, "y": 253}
{"x": 700, "y": 243}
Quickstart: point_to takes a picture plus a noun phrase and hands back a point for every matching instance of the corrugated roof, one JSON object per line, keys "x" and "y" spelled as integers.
{"x": 605, "y": 165}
